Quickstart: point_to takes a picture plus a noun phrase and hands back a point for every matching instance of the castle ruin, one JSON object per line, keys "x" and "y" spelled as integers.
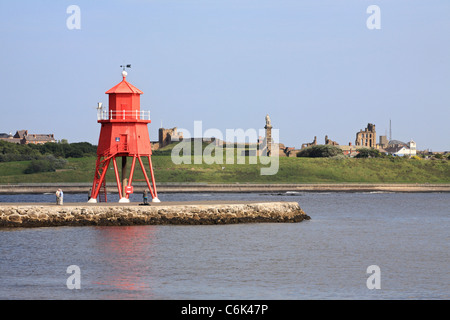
{"x": 367, "y": 138}
{"x": 314, "y": 143}
{"x": 330, "y": 142}
{"x": 166, "y": 137}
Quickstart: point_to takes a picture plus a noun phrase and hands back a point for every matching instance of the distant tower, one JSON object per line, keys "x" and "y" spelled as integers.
{"x": 412, "y": 147}
{"x": 268, "y": 128}
{"x": 366, "y": 138}
{"x": 124, "y": 133}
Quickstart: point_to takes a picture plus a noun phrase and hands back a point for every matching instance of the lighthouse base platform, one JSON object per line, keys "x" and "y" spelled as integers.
{"x": 127, "y": 214}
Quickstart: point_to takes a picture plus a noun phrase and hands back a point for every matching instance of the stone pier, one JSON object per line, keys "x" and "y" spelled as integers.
{"x": 179, "y": 213}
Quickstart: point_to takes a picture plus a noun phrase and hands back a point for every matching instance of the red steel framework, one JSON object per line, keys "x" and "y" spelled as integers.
{"x": 123, "y": 134}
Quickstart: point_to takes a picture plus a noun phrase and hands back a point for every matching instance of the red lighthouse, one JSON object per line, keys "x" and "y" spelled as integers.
{"x": 123, "y": 134}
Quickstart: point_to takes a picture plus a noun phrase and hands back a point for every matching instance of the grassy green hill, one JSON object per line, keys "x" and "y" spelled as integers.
{"x": 291, "y": 170}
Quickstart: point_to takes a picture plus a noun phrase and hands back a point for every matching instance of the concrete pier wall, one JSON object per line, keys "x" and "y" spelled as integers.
{"x": 235, "y": 187}
{"x": 40, "y": 215}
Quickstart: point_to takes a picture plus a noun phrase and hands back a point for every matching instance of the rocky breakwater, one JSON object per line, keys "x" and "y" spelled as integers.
{"x": 179, "y": 214}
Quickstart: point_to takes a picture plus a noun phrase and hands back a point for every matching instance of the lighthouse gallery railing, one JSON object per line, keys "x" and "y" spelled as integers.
{"x": 103, "y": 114}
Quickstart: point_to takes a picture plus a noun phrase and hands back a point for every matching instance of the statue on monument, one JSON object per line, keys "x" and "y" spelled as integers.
{"x": 268, "y": 122}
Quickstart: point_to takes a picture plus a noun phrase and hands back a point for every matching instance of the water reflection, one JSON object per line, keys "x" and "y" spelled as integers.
{"x": 125, "y": 253}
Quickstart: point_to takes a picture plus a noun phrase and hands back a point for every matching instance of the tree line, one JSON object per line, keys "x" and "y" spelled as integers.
{"x": 328, "y": 151}
{"x": 46, "y": 157}
{"x": 23, "y": 152}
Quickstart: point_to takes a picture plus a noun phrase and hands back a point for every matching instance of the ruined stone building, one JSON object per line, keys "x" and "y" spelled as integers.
{"x": 291, "y": 152}
{"x": 314, "y": 143}
{"x": 367, "y": 138}
{"x": 166, "y": 137}
{"x": 330, "y": 142}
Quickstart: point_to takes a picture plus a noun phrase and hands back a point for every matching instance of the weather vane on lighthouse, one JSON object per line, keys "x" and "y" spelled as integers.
{"x": 124, "y": 133}
{"x": 124, "y": 71}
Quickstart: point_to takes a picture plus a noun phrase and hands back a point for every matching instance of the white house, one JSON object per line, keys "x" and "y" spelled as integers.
{"x": 402, "y": 150}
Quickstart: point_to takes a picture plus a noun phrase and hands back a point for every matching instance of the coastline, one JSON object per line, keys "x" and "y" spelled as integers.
{"x": 34, "y": 188}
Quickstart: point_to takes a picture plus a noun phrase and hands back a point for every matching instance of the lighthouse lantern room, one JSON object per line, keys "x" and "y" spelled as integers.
{"x": 124, "y": 134}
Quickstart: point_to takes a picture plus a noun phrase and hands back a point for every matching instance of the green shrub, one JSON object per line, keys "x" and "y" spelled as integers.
{"x": 368, "y": 153}
{"x": 46, "y": 164}
{"x": 320, "y": 151}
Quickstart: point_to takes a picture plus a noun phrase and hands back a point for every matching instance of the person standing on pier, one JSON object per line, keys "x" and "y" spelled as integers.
{"x": 59, "y": 197}
{"x": 145, "y": 196}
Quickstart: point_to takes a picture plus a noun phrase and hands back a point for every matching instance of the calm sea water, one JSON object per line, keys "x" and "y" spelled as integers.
{"x": 405, "y": 234}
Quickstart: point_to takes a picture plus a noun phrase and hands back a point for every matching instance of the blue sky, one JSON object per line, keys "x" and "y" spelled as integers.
{"x": 312, "y": 65}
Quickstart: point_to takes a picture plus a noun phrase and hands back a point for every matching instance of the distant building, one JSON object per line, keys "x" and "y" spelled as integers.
{"x": 367, "y": 138}
{"x": 349, "y": 150}
{"x": 399, "y": 148}
{"x": 306, "y": 145}
{"x": 9, "y": 137}
{"x": 266, "y": 146}
{"x": 413, "y": 147}
{"x": 384, "y": 142}
{"x": 23, "y": 137}
{"x": 330, "y": 142}
{"x": 166, "y": 137}
{"x": 397, "y": 143}
{"x": 291, "y": 152}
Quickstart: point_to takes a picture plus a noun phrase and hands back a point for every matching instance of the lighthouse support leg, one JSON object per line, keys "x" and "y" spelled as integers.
{"x": 153, "y": 179}
{"x": 124, "y": 176}
{"x": 130, "y": 180}
{"x": 116, "y": 172}
{"x": 148, "y": 182}
{"x": 94, "y": 192}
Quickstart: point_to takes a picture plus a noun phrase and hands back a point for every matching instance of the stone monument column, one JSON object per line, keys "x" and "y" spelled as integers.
{"x": 268, "y": 128}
